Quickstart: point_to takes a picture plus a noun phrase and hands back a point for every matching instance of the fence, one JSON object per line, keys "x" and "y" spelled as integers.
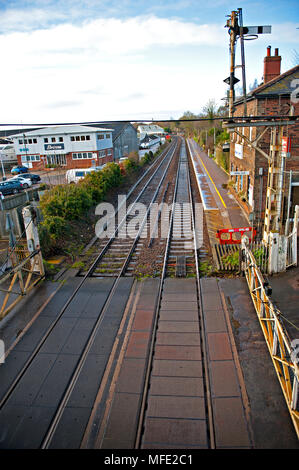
{"x": 282, "y": 350}
{"x": 229, "y": 257}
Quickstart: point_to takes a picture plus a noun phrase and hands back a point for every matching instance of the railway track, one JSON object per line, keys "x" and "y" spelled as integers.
{"x": 181, "y": 256}
{"x": 66, "y": 390}
{"x": 128, "y": 236}
{"x": 10, "y": 390}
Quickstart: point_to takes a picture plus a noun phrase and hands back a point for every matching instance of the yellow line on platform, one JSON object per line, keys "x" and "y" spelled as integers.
{"x": 212, "y": 181}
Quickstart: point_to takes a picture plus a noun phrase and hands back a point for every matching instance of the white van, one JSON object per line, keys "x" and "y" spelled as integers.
{"x": 73, "y": 176}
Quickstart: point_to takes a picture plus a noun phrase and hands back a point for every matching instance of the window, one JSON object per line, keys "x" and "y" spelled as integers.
{"x": 56, "y": 160}
{"x": 102, "y": 153}
{"x": 20, "y": 141}
{"x": 77, "y": 137}
{"x": 25, "y": 141}
{"x": 30, "y": 158}
{"x": 109, "y": 152}
{"x": 29, "y": 141}
{"x": 107, "y": 136}
{"x": 77, "y": 156}
{"x": 35, "y": 141}
{"x": 46, "y": 140}
{"x": 82, "y": 137}
{"x": 72, "y": 138}
{"x": 100, "y": 136}
{"x": 53, "y": 139}
{"x": 88, "y": 137}
{"x": 60, "y": 139}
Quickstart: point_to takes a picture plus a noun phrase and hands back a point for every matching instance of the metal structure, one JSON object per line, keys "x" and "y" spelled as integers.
{"x": 280, "y": 347}
{"x": 24, "y": 263}
{"x": 236, "y": 30}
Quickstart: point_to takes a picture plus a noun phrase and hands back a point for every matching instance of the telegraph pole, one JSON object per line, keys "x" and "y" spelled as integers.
{"x": 243, "y": 59}
{"x": 232, "y": 24}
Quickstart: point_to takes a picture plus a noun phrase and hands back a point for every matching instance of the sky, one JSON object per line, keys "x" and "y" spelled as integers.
{"x": 97, "y": 60}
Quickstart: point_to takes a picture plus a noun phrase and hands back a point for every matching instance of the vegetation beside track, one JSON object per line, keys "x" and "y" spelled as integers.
{"x": 68, "y": 210}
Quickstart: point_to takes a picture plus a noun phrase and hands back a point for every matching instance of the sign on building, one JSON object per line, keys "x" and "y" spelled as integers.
{"x": 53, "y": 147}
{"x": 285, "y": 146}
{"x": 239, "y": 173}
{"x": 239, "y": 151}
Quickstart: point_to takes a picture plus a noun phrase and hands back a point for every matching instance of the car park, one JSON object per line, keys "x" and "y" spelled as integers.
{"x": 35, "y": 179}
{"x": 24, "y": 180}
{"x": 12, "y": 186}
{"x": 17, "y": 170}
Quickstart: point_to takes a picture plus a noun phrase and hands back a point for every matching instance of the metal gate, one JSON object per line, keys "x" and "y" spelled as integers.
{"x": 292, "y": 243}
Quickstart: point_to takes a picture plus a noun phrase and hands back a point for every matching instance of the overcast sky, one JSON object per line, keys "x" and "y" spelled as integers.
{"x": 93, "y": 60}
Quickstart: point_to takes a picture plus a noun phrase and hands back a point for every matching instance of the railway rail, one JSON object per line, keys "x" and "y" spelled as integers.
{"x": 11, "y": 386}
{"x": 61, "y": 389}
{"x": 182, "y": 253}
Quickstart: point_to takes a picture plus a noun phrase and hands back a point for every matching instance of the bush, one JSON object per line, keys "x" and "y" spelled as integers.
{"x": 130, "y": 166}
{"x": 55, "y": 226}
{"x": 68, "y": 202}
{"x": 45, "y": 240}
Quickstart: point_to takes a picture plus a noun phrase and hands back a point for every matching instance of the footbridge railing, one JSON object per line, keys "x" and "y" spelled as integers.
{"x": 284, "y": 352}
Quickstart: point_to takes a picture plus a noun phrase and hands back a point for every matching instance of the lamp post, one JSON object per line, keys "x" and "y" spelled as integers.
{"x": 2, "y": 166}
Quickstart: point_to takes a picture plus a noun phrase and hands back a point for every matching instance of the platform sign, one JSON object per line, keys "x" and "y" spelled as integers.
{"x": 239, "y": 173}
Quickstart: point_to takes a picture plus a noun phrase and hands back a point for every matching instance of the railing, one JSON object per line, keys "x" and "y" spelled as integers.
{"x": 282, "y": 350}
{"x": 228, "y": 257}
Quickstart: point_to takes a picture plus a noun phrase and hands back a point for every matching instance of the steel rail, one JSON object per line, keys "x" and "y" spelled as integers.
{"x": 73, "y": 380}
{"x": 61, "y": 312}
{"x": 155, "y": 325}
{"x": 207, "y": 385}
{"x": 132, "y": 189}
{"x": 124, "y": 219}
{"x": 210, "y": 425}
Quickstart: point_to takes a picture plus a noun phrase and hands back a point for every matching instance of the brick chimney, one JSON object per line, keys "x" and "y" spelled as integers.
{"x": 271, "y": 65}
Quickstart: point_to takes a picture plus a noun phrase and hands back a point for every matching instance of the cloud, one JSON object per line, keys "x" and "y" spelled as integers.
{"x": 109, "y": 67}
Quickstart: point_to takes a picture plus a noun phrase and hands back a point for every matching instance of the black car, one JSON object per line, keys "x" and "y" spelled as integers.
{"x": 10, "y": 187}
{"x": 34, "y": 178}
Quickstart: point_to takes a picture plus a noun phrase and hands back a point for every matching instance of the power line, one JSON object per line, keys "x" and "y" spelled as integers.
{"x": 196, "y": 119}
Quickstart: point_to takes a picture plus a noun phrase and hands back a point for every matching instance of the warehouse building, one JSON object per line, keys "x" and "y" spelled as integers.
{"x": 64, "y": 146}
{"x": 124, "y": 137}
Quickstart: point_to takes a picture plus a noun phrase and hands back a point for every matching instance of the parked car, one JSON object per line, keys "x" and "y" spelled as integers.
{"x": 33, "y": 178}
{"x": 24, "y": 180}
{"x": 17, "y": 170}
{"x": 11, "y": 186}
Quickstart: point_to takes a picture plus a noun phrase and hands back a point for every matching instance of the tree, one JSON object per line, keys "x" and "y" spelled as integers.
{"x": 254, "y": 85}
{"x": 210, "y": 109}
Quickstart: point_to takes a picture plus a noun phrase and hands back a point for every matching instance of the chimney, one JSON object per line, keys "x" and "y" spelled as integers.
{"x": 271, "y": 65}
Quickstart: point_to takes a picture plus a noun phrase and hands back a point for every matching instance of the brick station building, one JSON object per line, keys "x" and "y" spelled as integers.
{"x": 64, "y": 146}
{"x": 274, "y": 96}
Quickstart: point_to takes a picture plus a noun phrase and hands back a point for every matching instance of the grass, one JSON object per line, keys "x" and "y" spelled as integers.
{"x": 205, "y": 268}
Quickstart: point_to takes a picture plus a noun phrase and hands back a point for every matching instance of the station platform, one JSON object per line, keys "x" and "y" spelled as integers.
{"x": 220, "y": 207}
